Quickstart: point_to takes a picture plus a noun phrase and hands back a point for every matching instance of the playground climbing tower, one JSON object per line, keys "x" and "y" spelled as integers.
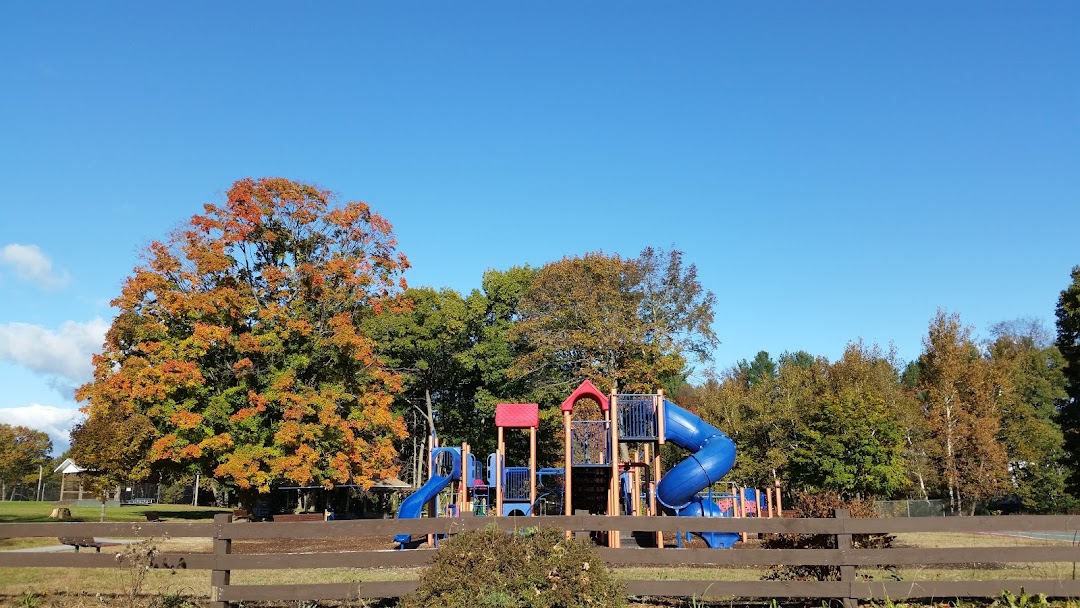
{"x": 587, "y": 455}
{"x": 511, "y": 482}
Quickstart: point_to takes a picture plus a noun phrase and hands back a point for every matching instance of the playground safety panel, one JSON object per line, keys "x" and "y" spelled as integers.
{"x": 637, "y": 417}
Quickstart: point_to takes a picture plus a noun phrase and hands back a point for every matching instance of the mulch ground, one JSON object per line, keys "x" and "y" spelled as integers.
{"x": 314, "y": 545}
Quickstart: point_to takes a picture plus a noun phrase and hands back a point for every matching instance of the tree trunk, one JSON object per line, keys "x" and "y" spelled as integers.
{"x": 430, "y": 411}
{"x": 415, "y": 463}
{"x": 424, "y": 460}
{"x": 103, "y": 509}
{"x": 950, "y": 458}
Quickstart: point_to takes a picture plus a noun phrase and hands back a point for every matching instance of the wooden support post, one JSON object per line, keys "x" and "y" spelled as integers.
{"x": 779, "y": 503}
{"x": 432, "y": 506}
{"x": 219, "y": 577}
{"x": 656, "y": 474}
{"x": 463, "y": 481}
{"x": 568, "y": 462}
{"x": 742, "y": 508}
{"x": 847, "y": 571}
{"x": 769, "y": 500}
{"x": 614, "y": 539}
{"x": 660, "y": 428}
{"x": 500, "y": 452}
{"x": 532, "y": 469}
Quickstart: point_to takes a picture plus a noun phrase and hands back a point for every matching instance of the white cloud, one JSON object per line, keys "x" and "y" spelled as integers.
{"x": 56, "y": 421}
{"x": 63, "y": 355}
{"x": 29, "y": 263}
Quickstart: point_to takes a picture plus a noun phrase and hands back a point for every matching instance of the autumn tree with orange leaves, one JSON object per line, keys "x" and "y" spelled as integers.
{"x": 239, "y": 340}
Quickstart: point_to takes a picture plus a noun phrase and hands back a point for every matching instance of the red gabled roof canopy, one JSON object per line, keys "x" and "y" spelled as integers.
{"x": 517, "y": 415}
{"x": 587, "y": 389}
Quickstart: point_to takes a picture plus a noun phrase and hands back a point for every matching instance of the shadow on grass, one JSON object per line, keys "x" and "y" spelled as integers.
{"x": 170, "y": 515}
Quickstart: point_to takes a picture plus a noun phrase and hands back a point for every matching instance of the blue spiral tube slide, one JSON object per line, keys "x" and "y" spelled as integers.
{"x": 712, "y": 454}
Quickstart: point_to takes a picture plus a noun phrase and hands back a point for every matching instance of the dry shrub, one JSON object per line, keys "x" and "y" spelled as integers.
{"x": 822, "y": 505}
{"x": 535, "y": 568}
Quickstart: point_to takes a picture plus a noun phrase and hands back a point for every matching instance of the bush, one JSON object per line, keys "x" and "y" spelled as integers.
{"x": 535, "y": 568}
{"x": 823, "y": 505}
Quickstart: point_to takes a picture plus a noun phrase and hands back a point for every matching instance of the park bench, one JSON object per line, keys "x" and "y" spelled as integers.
{"x": 300, "y": 517}
{"x": 80, "y": 541}
{"x": 241, "y": 514}
{"x": 137, "y": 501}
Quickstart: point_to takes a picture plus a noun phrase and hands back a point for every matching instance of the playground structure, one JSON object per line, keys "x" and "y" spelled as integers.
{"x": 612, "y": 466}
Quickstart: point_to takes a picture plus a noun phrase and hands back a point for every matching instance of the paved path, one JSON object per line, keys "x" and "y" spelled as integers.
{"x": 1063, "y": 536}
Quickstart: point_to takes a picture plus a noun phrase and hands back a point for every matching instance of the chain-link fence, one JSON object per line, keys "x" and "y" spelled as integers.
{"x": 910, "y": 508}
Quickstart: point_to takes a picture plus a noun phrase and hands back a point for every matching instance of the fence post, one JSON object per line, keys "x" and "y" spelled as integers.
{"x": 222, "y": 546}
{"x": 847, "y": 571}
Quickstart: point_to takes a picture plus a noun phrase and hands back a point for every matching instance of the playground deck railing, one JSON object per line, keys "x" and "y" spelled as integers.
{"x": 590, "y": 443}
{"x": 967, "y": 561}
{"x": 637, "y": 417}
{"x": 516, "y": 483}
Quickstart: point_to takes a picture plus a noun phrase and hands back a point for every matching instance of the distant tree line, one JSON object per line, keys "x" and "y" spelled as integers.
{"x": 273, "y": 340}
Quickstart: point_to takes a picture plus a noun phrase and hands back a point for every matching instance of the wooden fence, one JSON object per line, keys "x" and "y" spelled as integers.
{"x": 850, "y": 588}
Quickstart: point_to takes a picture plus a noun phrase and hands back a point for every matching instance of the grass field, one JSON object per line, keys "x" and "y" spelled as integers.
{"x": 25, "y": 511}
{"x": 29, "y": 512}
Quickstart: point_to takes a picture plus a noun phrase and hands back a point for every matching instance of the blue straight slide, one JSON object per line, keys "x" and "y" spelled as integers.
{"x": 414, "y": 503}
{"x": 712, "y": 454}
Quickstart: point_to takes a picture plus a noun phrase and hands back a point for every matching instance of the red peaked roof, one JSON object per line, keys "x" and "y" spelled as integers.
{"x": 587, "y": 389}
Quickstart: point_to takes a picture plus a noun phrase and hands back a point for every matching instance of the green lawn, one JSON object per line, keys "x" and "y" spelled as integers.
{"x": 24, "y": 511}
{"x": 28, "y": 512}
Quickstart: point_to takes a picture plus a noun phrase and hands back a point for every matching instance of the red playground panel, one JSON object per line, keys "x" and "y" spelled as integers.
{"x": 517, "y": 415}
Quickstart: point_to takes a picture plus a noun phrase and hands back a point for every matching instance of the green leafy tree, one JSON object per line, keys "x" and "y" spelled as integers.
{"x": 853, "y": 440}
{"x": 240, "y": 341}
{"x": 111, "y": 445}
{"x": 763, "y": 407}
{"x": 495, "y": 309}
{"x": 761, "y": 370}
{"x": 425, "y": 343}
{"x": 959, "y": 392}
{"x": 1033, "y": 387}
{"x": 626, "y": 322}
{"x": 1068, "y": 342}
{"x": 22, "y": 450}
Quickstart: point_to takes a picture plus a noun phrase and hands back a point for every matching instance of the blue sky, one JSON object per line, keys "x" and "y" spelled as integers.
{"x": 836, "y": 170}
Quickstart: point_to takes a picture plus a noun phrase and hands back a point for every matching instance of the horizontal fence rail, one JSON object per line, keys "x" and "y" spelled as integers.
{"x": 222, "y": 562}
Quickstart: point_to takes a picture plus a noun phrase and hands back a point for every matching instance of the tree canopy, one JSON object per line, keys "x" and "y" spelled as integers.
{"x": 626, "y": 322}
{"x": 272, "y": 339}
{"x": 239, "y": 340}
{"x": 1068, "y": 343}
{"x": 22, "y": 450}
{"x": 959, "y": 392}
